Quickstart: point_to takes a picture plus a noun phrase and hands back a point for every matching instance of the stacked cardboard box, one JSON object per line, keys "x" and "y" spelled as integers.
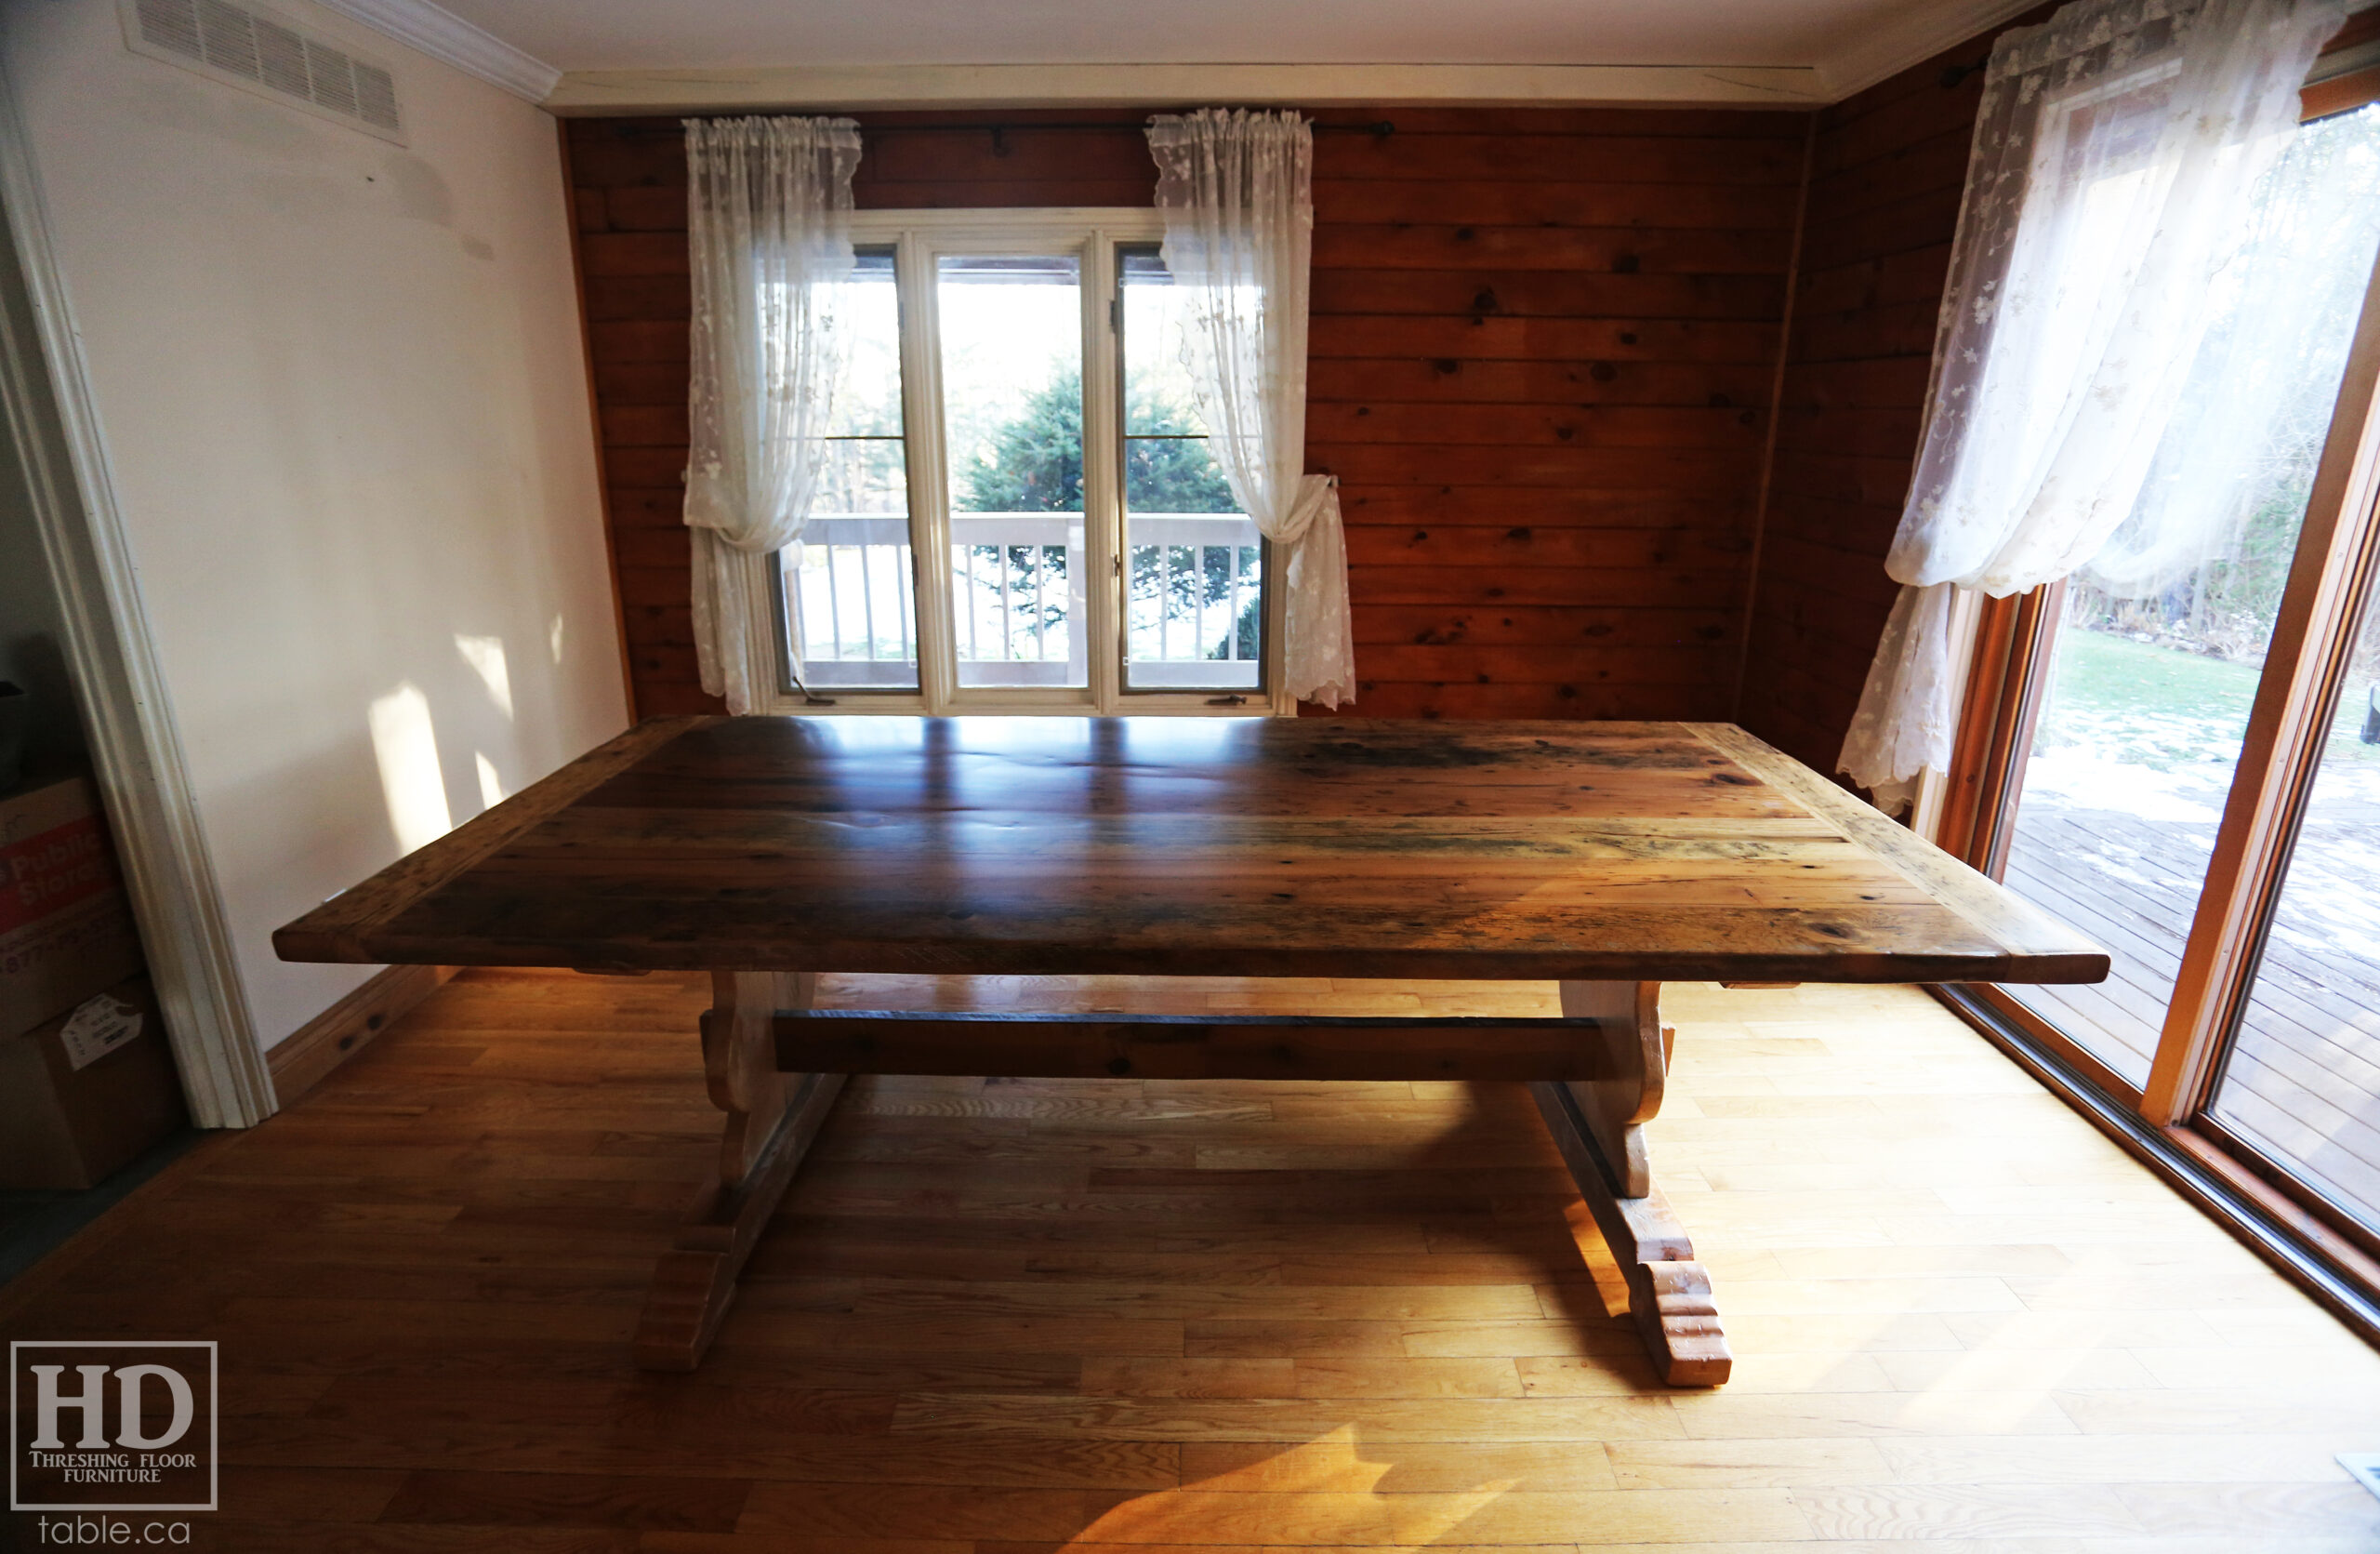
{"x": 86, "y": 1079}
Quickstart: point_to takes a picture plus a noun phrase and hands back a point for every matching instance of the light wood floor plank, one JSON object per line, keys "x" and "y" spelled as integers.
{"x": 1017, "y": 1318}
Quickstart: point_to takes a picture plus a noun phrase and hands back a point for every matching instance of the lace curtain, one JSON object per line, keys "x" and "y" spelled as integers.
{"x": 769, "y": 233}
{"x": 1236, "y": 188}
{"x": 2114, "y": 152}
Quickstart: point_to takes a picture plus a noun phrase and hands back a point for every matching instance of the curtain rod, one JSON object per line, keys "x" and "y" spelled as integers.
{"x": 998, "y": 129}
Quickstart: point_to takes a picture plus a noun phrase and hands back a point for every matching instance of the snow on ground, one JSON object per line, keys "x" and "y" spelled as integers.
{"x": 2082, "y": 776}
{"x": 2171, "y": 769}
{"x": 2174, "y": 769}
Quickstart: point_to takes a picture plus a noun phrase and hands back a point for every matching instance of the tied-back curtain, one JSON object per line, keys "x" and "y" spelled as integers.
{"x": 2114, "y": 153}
{"x": 1237, "y": 191}
{"x": 768, "y": 218}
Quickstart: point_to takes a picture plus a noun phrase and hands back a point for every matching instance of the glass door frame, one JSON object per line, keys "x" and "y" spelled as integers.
{"x": 920, "y": 249}
{"x": 2331, "y": 578}
{"x": 919, "y": 239}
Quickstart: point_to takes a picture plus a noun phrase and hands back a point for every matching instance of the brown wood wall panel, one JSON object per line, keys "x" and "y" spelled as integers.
{"x": 1886, "y": 171}
{"x": 1543, "y": 347}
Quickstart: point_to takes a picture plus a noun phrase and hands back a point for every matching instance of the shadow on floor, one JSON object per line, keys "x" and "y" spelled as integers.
{"x": 34, "y": 1224}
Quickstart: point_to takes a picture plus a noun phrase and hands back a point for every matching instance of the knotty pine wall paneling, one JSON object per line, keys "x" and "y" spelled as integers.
{"x": 1544, "y": 348}
{"x": 628, "y": 190}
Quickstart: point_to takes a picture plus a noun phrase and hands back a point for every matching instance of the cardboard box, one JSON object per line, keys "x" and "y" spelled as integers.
{"x": 66, "y": 929}
{"x": 83, "y": 1093}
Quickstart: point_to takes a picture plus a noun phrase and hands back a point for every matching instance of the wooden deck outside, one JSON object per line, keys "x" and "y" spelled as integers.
{"x": 1125, "y": 1317}
{"x": 2303, "y": 1083}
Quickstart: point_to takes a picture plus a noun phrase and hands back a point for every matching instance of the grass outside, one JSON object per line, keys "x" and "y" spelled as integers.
{"x": 2162, "y": 708}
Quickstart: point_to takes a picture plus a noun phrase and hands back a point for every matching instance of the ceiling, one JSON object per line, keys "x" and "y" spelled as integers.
{"x": 638, "y": 34}
{"x": 1844, "y": 40}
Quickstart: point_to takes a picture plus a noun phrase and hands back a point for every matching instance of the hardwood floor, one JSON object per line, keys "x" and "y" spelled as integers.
{"x": 996, "y": 1318}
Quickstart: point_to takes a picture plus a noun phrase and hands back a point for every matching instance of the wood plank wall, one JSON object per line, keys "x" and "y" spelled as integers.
{"x": 1887, "y": 169}
{"x": 1542, "y": 349}
{"x": 1543, "y": 346}
{"x": 628, "y": 203}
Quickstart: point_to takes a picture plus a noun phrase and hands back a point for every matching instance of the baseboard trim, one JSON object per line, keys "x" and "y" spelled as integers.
{"x": 348, "y": 1027}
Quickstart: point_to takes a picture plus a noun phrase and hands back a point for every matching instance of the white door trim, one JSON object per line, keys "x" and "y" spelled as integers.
{"x": 127, "y": 713}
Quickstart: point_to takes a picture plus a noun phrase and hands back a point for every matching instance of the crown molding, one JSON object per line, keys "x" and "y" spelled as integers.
{"x": 1915, "y": 36}
{"x": 1077, "y": 85}
{"x": 443, "y": 36}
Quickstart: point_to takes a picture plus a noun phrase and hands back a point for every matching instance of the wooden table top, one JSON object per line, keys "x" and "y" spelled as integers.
{"x": 1196, "y": 846}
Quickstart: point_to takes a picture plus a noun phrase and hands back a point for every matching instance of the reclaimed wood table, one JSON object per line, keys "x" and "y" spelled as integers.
{"x": 1607, "y": 857}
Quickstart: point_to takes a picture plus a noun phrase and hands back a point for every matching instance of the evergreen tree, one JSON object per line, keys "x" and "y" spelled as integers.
{"x": 1034, "y": 464}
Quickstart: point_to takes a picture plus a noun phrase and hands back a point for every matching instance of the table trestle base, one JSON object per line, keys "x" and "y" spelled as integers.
{"x": 772, "y": 1119}
{"x": 1190, "y": 1046}
{"x": 776, "y": 1066}
{"x": 1668, "y": 1291}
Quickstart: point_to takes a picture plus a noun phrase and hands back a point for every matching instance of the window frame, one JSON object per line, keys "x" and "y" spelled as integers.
{"x": 2007, "y": 645}
{"x": 919, "y": 239}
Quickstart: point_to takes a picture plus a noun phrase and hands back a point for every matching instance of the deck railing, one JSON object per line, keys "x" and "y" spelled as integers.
{"x": 1193, "y": 583}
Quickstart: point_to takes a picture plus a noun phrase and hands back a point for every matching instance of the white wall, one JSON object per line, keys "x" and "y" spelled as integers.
{"x": 344, "y": 400}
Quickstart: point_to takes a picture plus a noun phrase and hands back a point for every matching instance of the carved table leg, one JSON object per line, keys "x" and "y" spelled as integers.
{"x": 1599, "y": 1125}
{"x": 772, "y": 1118}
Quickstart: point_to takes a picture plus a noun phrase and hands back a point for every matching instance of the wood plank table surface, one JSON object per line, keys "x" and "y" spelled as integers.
{"x": 1607, "y": 857}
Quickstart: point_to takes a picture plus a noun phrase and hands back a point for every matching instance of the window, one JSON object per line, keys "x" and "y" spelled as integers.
{"x": 1020, "y": 511}
{"x": 1194, "y": 563}
{"x": 854, "y": 624}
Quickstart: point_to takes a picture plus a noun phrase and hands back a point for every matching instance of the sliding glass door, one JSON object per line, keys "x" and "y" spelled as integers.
{"x": 2156, "y": 646}
{"x": 2177, "y": 750}
{"x": 2299, "y": 1080}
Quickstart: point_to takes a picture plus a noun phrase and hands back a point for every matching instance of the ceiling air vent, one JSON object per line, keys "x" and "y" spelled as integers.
{"x": 248, "y": 46}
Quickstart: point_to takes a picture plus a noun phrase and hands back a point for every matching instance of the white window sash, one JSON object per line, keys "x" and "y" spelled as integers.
{"x": 919, "y": 239}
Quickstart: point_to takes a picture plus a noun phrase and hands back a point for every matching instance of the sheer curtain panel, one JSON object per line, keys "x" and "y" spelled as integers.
{"x": 768, "y": 223}
{"x": 2114, "y": 153}
{"x": 1236, "y": 189}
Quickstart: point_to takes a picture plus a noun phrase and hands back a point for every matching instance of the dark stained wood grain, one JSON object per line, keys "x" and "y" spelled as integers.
{"x": 1264, "y": 848}
{"x": 2002, "y": 913}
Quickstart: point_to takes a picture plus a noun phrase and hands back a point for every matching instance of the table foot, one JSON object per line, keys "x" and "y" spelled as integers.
{"x": 771, "y": 1121}
{"x": 688, "y": 1299}
{"x": 1599, "y": 1126}
{"x": 695, "y": 1281}
{"x": 1668, "y": 1291}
